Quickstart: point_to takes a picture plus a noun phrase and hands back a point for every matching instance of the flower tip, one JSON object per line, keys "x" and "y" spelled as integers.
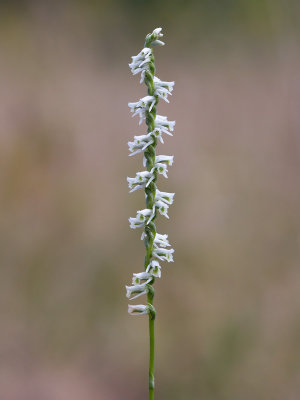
{"x": 157, "y": 31}
{"x": 127, "y": 291}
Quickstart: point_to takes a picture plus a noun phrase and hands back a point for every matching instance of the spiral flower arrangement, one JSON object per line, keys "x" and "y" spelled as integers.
{"x": 157, "y": 245}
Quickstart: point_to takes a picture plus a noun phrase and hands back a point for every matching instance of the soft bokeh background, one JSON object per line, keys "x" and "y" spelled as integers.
{"x": 228, "y": 323}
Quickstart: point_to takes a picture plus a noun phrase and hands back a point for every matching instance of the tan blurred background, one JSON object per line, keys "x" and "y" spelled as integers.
{"x": 228, "y": 325}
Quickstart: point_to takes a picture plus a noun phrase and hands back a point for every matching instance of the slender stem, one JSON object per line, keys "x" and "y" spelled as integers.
{"x": 151, "y": 358}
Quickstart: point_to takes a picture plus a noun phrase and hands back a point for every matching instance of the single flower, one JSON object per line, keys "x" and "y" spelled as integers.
{"x": 163, "y": 254}
{"x": 138, "y": 309}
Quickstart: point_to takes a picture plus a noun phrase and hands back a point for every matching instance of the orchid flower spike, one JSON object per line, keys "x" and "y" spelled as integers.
{"x": 157, "y": 202}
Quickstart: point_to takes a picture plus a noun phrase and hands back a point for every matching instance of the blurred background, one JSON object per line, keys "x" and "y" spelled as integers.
{"x": 228, "y": 324}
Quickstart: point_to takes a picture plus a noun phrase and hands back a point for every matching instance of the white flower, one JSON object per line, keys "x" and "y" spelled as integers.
{"x": 162, "y": 208}
{"x": 140, "y": 143}
{"x": 166, "y": 197}
{"x": 162, "y": 93}
{"x": 161, "y": 169}
{"x": 138, "y": 290}
{"x": 141, "y": 180}
{"x": 142, "y": 103}
{"x": 156, "y": 35}
{"x": 167, "y": 85}
{"x": 163, "y": 254}
{"x": 141, "y": 276}
{"x": 161, "y": 159}
{"x": 157, "y": 133}
{"x": 161, "y": 240}
{"x": 141, "y": 57}
{"x": 141, "y": 218}
{"x": 158, "y": 43}
{"x": 139, "y": 108}
{"x": 140, "y": 62}
{"x": 164, "y": 159}
{"x": 165, "y": 125}
{"x": 154, "y": 269}
{"x": 163, "y": 88}
{"x": 138, "y": 309}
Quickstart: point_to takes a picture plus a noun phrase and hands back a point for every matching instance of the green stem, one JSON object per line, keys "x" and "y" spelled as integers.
{"x": 151, "y": 357}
